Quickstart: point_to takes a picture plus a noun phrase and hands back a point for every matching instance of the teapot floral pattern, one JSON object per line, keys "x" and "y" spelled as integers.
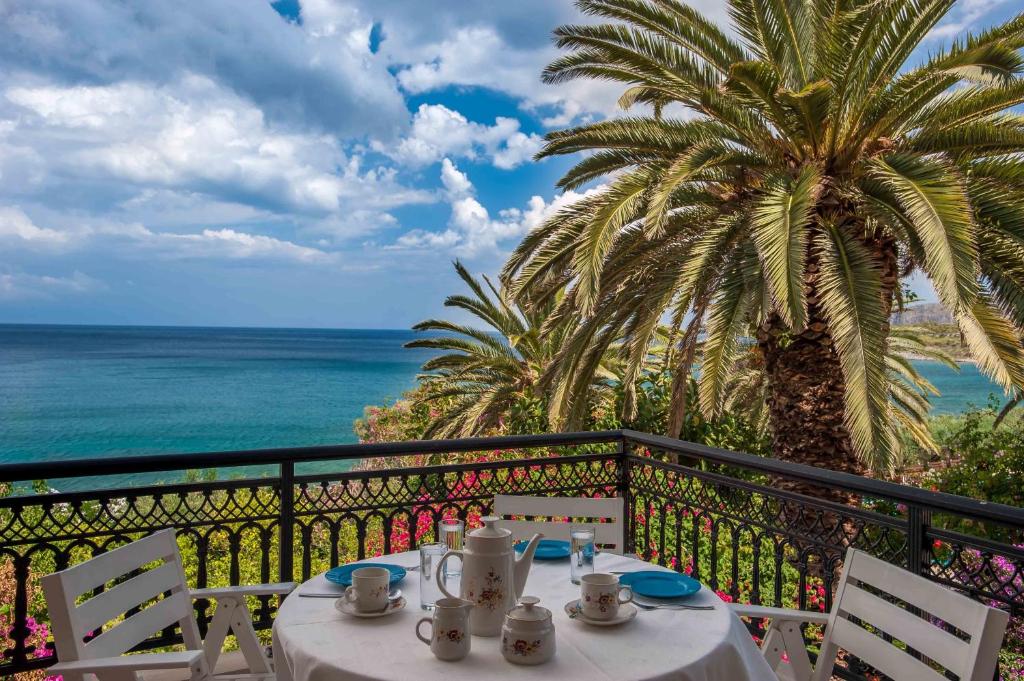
{"x": 491, "y": 595}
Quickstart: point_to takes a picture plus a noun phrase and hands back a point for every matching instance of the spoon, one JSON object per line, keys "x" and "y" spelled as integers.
{"x": 673, "y": 606}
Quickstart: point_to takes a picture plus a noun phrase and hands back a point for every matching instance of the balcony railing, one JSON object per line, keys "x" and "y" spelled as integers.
{"x": 724, "y": 517}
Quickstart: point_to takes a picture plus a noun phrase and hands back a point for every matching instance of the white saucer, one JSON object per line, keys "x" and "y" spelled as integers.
{"x": 349, "y": 608}
{"x": 627, "y": 611}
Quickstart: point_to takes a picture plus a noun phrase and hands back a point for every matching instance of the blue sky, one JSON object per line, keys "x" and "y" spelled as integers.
{"x": 301, "y": 163}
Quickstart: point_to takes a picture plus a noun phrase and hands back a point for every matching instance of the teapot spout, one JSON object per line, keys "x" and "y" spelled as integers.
{"x": 523, "y": 563}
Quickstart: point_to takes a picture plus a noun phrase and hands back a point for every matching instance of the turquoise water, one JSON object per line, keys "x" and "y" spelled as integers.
{"x": 959, "y": 390}
{"x": 77, "y": 391}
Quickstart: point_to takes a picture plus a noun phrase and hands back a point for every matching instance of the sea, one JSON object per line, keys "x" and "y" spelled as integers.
{"x": 74, "y": 392}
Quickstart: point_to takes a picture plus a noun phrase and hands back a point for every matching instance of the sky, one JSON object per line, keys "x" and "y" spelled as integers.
{"x": 301, "y": 163}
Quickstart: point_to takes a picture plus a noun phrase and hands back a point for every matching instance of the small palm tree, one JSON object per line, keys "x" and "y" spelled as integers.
{"x": 485, "y": 375}
{"x": 814, "y": 169}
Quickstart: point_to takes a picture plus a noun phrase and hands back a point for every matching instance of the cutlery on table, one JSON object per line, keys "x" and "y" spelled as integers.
{"x": 672, "y": 606}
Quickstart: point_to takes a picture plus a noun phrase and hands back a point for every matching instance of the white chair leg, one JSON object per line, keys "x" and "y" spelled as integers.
{"x": 232, "y": 616}
{"x": 252, "y": 650}
{"x": 220, "y": 626}
{"x": 784, "y": 639}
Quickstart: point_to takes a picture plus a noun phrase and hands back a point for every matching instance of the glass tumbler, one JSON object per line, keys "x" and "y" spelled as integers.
{"x": 582, "y": 548}
{"x": 451, "y": 534}
{"x": 430, "y": 556}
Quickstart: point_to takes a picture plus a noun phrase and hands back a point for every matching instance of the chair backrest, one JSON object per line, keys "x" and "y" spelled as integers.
{"x": 610, "y": 533}
{"x": 866, "y": 592}
{"x": 71, "y": 621}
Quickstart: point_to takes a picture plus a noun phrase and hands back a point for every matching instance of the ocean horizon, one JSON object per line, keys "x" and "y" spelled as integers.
{"x": 80, "y": 391}
{"x": 75, "y": 392}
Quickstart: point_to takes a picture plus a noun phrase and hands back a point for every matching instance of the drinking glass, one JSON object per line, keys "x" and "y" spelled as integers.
{"x": 451, "y": 533}
{"x": 581, "y": 547}
{"x": 430, "y": 554}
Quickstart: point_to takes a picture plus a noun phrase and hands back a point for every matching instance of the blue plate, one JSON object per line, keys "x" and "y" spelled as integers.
{"x": 658, "y": 584}
{"x": 343, "y": 575}
{"x": 547, "y": 549}
{"x": 551, "y": 549}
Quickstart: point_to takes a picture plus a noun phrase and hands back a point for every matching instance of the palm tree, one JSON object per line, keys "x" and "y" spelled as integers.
{"x": 779, "y": 185}
{"x": 747, "y": 391}
{"x": 484, "y": 376}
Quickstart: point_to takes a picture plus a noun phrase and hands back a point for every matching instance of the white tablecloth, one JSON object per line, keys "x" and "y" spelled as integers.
{"x": 314, "y": 642}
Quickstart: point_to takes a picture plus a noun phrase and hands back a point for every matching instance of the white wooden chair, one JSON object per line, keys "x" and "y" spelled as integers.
{"x": 103, "y": 657}
{"x": 972, "y": 657}
{"x": 609, "y": 534}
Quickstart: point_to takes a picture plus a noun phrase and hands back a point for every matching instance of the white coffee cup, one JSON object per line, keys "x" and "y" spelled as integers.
{"x": 370, "y": 588}
{"x": 601, "y": 595}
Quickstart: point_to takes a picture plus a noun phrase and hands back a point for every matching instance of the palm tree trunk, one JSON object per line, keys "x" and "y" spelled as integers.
{"x": 806, "y": 404}
{"x": 806, "y": 407}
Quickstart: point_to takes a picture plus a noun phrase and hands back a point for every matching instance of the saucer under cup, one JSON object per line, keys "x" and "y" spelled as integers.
{"x": 626, "y": 613}
{"x": 350, "y": 609}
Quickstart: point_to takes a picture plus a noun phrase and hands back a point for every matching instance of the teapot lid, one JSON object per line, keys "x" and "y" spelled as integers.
{"x": 490, "y": 530}
{"x": 529, "y": 611}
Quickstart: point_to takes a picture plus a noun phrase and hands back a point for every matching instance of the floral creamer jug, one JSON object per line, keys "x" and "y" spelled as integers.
{"x": 492, "y": 577}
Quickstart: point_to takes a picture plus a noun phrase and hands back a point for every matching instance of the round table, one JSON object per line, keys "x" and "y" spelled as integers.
{"x": 315, "y": 642}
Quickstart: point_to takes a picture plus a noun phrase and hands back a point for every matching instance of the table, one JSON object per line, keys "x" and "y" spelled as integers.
{"x": 315, "y": 642}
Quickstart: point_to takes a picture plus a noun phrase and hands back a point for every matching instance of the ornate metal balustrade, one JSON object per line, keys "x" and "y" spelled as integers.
{"x": 722, "y": 516}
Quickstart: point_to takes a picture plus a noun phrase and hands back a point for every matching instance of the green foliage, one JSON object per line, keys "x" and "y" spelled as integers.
{"x": 488, "y": 375}
{"x": 815, "y": 169}
{"x": 989, "y": 462}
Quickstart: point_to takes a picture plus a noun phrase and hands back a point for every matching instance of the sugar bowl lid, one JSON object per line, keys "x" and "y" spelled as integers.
{"x": 529, "y": 611}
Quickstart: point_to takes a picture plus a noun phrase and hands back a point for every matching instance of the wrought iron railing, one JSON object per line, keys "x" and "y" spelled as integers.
{"x": 727, "y": 518}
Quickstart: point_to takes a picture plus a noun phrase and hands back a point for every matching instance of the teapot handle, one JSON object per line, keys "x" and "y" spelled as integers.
{"x": 439, "y": 574}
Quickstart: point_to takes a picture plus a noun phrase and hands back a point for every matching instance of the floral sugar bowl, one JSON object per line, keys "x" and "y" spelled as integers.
{"x": 528, "y": 635}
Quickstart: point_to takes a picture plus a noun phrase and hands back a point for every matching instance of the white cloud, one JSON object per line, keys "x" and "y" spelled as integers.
{"x": 136, "y": 239}
{"x": 500, "y": 46}
{"x": 229, "y": 244}
{"x": 963, "y": 16}
{"x": 471, "y": 229}
{"x": 438, "y": 131}
{"x": 455, "y": 182}
{"x": 17, "y": 229}
{"x": 21, "y": 286}
{"x": 519, "y": 148}
{"x": 319, "y": 74}
{"x": 192, "y": 136}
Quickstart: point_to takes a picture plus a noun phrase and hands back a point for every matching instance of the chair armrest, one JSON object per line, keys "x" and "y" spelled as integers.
{"x": 280, "y": 588}
{"x": 761, "y": 611}
{"x": 145, "y": 661}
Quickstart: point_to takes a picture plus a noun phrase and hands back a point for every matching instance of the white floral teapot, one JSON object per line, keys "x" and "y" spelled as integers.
{"x": 492, "y": 577}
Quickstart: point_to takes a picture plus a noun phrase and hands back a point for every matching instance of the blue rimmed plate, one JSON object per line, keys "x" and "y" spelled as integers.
{"x": 658, "y": 584}
{"x": 343, "y": 575}
{"x": 547, "y": 549}
{"x": 550, "y": 549}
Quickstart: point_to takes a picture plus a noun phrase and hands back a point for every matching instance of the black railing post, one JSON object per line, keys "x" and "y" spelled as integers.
{"x": 19, "y": 632}
{"x": 286, "y": 531}
{"x": 918, "y": 555}
{"x": 622, "y": 453}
